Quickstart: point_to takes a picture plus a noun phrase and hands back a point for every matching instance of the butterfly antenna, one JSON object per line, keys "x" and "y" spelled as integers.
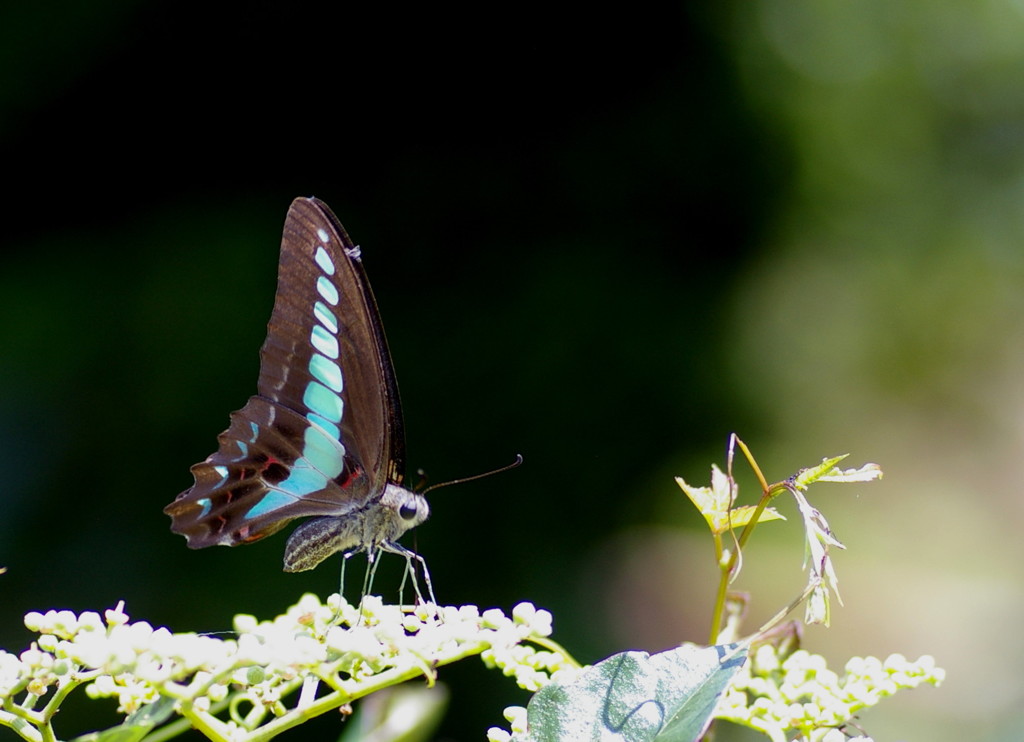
{"x": 513, "y": 465}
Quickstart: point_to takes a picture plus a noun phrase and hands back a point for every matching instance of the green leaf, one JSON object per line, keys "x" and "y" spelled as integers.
{"x": 810, "y": 475}
{"x": 867, "y": 473}
{"x": 136, "y": 726}
{"x": 714, "y": 504}
{"x": 636, "y": 697}
{"x": 740, "y": 516}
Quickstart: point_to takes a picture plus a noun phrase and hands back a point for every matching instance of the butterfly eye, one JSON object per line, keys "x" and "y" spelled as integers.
{"x": 408, "y": 512}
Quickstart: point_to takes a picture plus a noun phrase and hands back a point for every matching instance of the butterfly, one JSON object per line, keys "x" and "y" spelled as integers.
{"x": 323, "y": 435}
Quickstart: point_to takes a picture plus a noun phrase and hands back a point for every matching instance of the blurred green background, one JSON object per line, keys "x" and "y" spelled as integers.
{"x": 603, "y": 239}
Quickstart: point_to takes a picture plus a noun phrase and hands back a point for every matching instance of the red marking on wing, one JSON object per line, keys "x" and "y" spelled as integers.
{"x": 352, "y": 475}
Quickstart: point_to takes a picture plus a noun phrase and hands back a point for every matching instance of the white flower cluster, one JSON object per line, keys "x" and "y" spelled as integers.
{"x": 516, "y": 717}
{"x": 532, "y": 668}
{"x": 350, "y": 650}
{"x": 774, "y": 694}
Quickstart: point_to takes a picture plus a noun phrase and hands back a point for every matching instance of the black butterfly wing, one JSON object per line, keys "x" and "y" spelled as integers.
{"x": 323, "y": 295}
{"x": 323, "y": 436}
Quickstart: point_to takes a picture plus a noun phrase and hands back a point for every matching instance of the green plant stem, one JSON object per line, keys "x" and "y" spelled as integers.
{"x": 768, "y": 493}
{"x": 718, "y": 612}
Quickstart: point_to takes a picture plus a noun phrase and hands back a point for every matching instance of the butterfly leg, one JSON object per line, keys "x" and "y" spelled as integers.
{"x": 408, "y": 572}
{"x": 341, "y": 580}
{"x": 405, "y": 578}
{"x": 409, "y": 555}
{"x": 368, "y": 577}
{"x": 341, "y": 584}
{"x": 372, "y": 562}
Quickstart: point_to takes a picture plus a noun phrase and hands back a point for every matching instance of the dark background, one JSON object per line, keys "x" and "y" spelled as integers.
{"x": 603, "y": 239}
{"x": 552, "y": 205}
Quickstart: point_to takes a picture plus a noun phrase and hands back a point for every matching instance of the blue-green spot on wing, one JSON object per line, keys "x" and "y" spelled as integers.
{"x": 323, "y": 435}
{"x": 636, "y": 697}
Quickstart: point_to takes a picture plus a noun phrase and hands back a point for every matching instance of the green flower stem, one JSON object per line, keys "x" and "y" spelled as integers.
{"x": 552, "y": 646}
{"x": 344, "y": 691}
{"x": 211, "y": 727}
{"x": 23, "y": 727}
